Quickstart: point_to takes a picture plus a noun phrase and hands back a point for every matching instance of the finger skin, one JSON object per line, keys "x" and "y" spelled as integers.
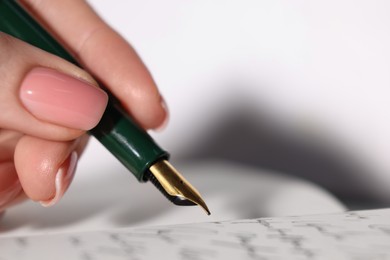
{"x": 121, "y": 70}
{"x": 9, "y": 184}
{"x": 38, "y": 161}
{"x": 10, "y": 187}
{"x": 11, "y": 191}
{"x": 16, "y": 60}
{"x": 21, "y": 197}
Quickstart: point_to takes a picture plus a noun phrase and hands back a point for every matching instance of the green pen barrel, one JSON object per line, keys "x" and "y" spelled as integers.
{"x": 128, "y": 142}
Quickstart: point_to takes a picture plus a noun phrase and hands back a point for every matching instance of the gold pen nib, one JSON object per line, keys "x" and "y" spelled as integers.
{"x": 173, "y": 185}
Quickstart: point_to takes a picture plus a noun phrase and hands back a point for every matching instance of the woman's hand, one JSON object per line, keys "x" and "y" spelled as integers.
{"x": 47, "y": 104}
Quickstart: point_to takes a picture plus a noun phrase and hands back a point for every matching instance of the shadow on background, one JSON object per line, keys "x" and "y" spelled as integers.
{"x": 248, "y": 138}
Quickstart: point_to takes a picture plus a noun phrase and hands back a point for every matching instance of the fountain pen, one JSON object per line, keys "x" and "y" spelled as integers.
{"x": 127, "y": 141}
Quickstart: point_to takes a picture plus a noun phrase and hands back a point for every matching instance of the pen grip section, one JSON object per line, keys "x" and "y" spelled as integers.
{"x": 127, "y": 141}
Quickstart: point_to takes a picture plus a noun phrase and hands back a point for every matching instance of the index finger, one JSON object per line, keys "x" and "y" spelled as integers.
{"x": 106, "y": 55}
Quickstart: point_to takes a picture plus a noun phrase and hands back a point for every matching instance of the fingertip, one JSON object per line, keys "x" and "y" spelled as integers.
{"x": 162, "y": 122}
{"x": 45, "y": 168}
{"x": 149, "y": 111}
{"x": 63, "y": 179}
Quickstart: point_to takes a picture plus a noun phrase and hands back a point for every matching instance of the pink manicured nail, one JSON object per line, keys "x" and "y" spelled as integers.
{"x": 61, "y": 99}
{"x": 10, "y": 193}
{"x": 63, "y": 179}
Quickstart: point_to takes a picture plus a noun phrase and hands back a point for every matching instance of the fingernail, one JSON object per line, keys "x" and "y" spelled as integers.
{"x": 164, "y": 124}
{"x": 10, "y": 193}
{"x": 63, "y": 179}
{"x": 61, "y": 99}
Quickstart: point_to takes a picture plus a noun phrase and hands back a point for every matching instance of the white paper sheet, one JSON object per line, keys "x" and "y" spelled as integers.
{"x": 352, "y": 235}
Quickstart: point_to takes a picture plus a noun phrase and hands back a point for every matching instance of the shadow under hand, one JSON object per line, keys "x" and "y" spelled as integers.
{"x": 113, "y": 198}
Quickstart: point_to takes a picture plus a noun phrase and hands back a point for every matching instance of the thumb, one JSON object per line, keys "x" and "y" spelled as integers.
{"x": 45, "y": 96}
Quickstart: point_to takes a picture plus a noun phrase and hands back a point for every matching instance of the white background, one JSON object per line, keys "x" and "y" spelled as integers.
{"x": 315, "y": 72}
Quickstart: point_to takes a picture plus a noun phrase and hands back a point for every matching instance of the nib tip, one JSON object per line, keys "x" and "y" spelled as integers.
{"x": 173, "y": 185}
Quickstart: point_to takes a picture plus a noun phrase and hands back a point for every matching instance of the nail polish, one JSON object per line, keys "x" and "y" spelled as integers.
{"x": 63, "y": 179}
{"x": 58, "y": 98}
